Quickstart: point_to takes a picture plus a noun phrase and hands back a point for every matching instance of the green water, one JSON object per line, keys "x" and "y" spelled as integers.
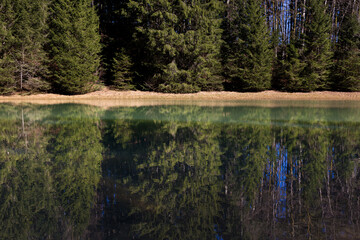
{"x": 180, "y": 171}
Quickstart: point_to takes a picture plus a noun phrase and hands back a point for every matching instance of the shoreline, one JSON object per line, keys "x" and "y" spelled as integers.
{"x": 112, "y": 98}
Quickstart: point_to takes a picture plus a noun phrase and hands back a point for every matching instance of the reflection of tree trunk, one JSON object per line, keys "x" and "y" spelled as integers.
{"x": 226, "y": 182}
{"x": 321, "y": 202}
{"x": 272, "y": 186}
{"x": 291, "y": 195}
{"x": 308, "y": 224}
{"x": 261, "y": 189}
{"x": 328, "y": 186}
{"x": 291, "y": 179}
{"x": 273, "y": 192}
{"x": 299, "y": 181}
{"x": 349, "y": 197}
{"x": 23, "y": 128}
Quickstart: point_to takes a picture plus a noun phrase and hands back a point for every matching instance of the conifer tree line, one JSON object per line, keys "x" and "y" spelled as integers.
{"x": 179, "y": 46}
{"x": 48, "y": 45}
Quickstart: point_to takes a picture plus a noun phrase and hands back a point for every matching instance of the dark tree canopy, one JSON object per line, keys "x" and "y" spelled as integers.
{"x": 179, "y": 46}
{"x": 346, "y": 69}
{"x": 73, "y": 45}
{"x": 7, "y": 69}
{"x": 249, "y": 57}
{"x": 317, "y": 49}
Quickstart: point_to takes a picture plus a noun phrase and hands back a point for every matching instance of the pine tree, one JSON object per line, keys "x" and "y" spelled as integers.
{"x": 346, "y": 72}
{"x": 74, "y": 46}
{"x": 250, "y": 64}
{"x": 317, "y": 50}
{"x": 7, "y": 81}
{"x": 29, "y": 32}
{"x": 181, "y": 44}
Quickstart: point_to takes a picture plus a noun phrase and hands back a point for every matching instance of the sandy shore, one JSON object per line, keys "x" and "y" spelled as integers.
{"x": 109, "y": 98}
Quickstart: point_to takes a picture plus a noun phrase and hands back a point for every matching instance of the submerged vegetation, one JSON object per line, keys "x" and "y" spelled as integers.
{"x": 177, "y": 46}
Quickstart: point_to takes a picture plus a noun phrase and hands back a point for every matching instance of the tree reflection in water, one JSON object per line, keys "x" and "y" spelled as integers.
{"x": 50, "y": 161}
{"x": 179, "y": 172}
{"x": 284, "y": 179}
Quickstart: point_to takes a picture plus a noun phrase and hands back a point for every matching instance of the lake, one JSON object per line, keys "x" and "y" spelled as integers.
{"x": 243, "y": 170}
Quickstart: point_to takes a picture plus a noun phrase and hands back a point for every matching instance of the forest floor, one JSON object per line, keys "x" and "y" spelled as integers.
{"x": 109, "y": 98}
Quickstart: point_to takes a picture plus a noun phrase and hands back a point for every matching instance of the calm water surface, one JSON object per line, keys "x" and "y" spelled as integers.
{"x": 180, "y": 172}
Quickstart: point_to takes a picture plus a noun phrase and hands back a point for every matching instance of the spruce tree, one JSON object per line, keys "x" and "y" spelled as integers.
{"x": 122, "y": 72}
{"x": 7, "y": 81}
{"x": 181, "y": 42}
{"x": 250, "y": 64}
{"x": 346, "y": 72}
{"x": 234, "y": 11}
{"x": 74, "y": 46}
{"x": 288, "y": 75}
{"x": 29, "y": 31}
{"x": 317, "y": 49}
{"x": 117, "y": 29}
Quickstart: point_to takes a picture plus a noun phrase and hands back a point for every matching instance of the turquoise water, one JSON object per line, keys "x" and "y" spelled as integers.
{"x": 289, "y": 171}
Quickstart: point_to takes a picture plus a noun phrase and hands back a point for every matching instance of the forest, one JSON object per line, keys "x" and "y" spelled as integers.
{"x": 179, "y": 46}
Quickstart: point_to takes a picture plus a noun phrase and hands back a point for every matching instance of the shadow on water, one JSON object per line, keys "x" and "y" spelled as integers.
{"x": 179, "y": 172}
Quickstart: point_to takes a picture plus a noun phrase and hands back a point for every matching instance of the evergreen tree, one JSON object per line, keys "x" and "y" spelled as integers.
{"x": 181, "y": 44}
{"x": 123, "y": 76}
{"x": 234, "y": 11}
{"x": 29, "y": 33}
{"x": 317, "y": 52}
{"x": 116, "y": 35}
{"x": 288, "y": 71}
{"x": 74, "y": 46}
{"x": 306, "y": 64}
{"x": 346, "y": 72}
{"x": 7, "y": 81}
{"x": 250, "y": 64}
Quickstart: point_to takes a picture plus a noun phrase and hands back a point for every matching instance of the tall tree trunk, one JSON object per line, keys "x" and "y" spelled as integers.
{"x": 303, "y": 19}
{"x": 295, "y": 17}
{"x": 22, "y": 67}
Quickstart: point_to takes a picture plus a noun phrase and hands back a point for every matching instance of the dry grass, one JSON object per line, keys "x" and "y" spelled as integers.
{"x": 110, "y": 98}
